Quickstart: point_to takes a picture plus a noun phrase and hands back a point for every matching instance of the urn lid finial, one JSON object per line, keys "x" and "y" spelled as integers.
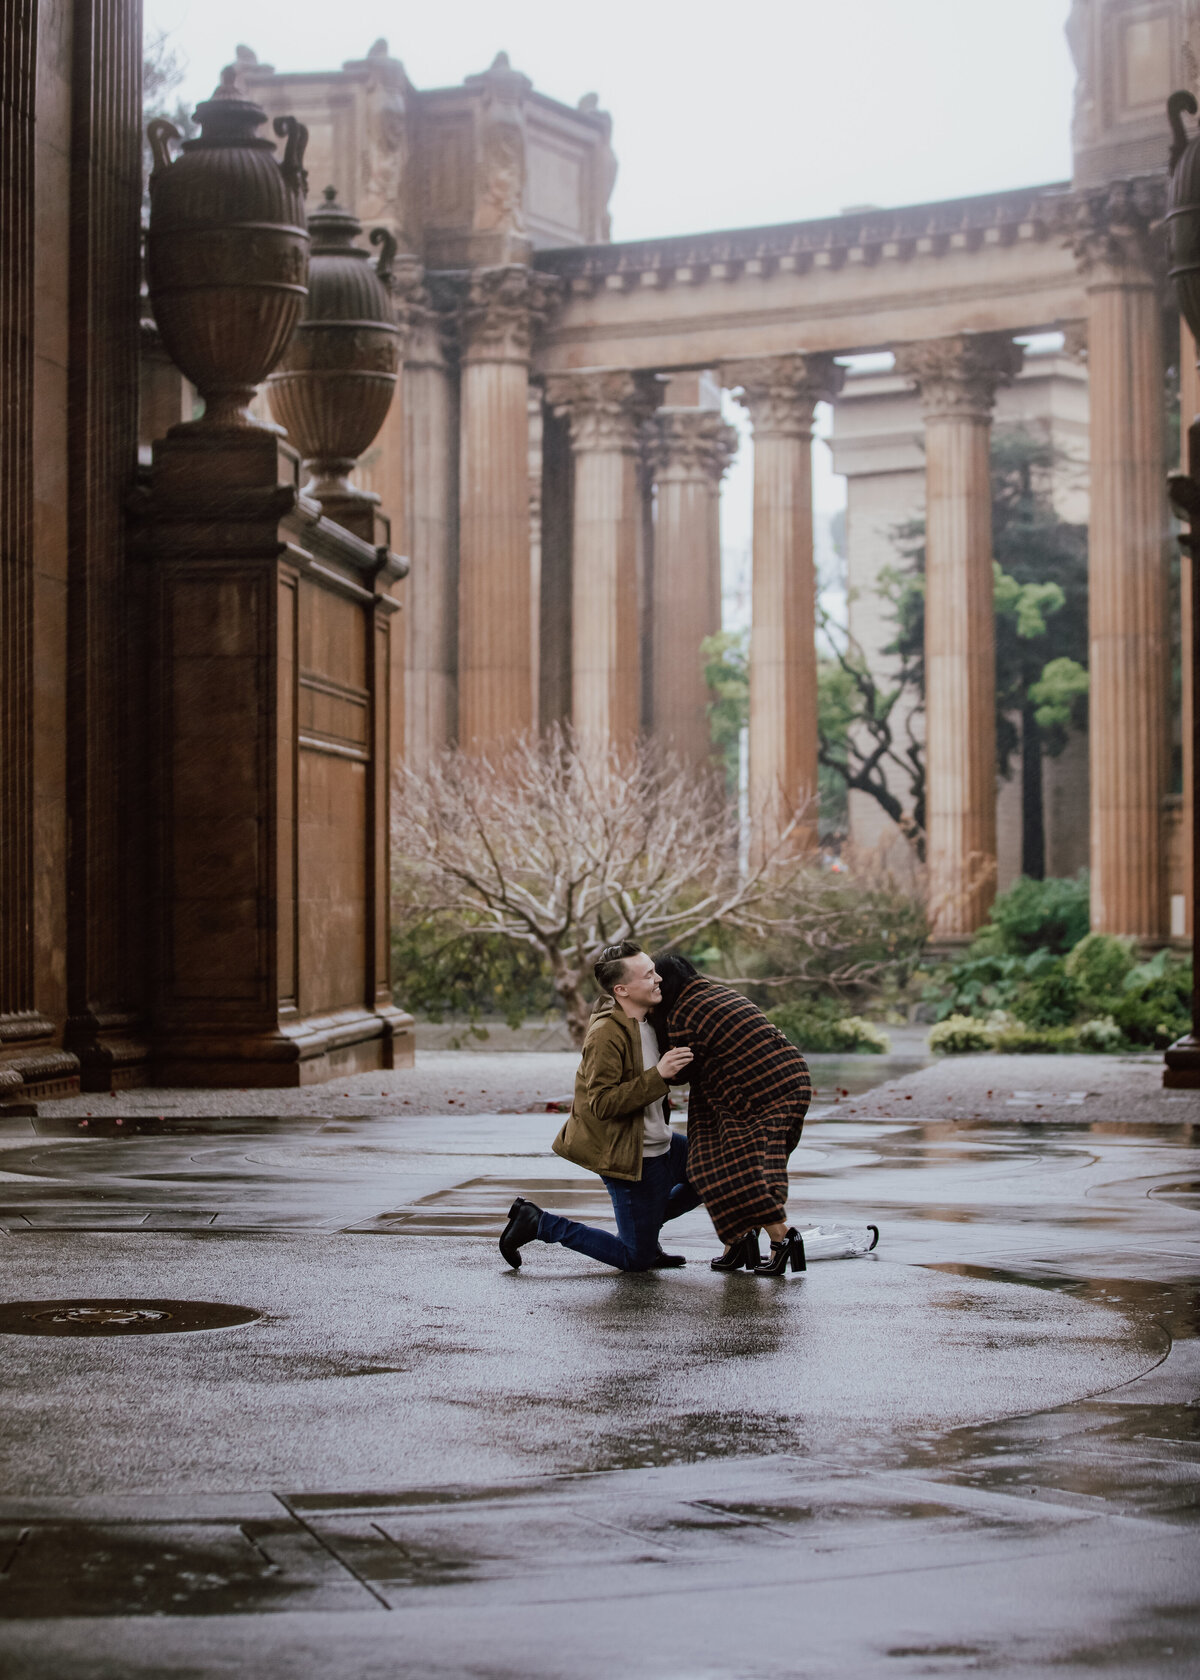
{"x": 227, "y": 117}
{"x": 334, "y": 228}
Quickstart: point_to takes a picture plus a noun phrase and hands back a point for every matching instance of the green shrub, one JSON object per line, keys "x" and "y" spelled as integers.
{"x": 960, "y": 1035}
{"x": 1053, "y": 914}
{"x": 1023, "y": 1040}
{"x": 974, "y": 985}
{"x": 441, "y": 972}
{"x": 869, "y": 935}
{"x": 1100, "y": 1034}
{"x": 1048, "y": 996}
{"x": 865, "y": 1037}
{"x": 817, "y": 1026}
{"x": 1099, "y": 965}
{"x": 1157, "y": 1011}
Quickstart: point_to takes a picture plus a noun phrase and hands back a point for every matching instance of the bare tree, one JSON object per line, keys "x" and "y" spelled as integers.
{"x": 567, "y": 852}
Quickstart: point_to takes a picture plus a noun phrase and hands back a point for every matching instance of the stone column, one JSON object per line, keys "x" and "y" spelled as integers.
{"x": 1127, "y": 567}
{"x": 690, "y": 449}
{"x": 606, "y": 410}
{"x": 1189, "y": 411}
{"x": 781, "y": 393}
{"x": 430, "y": 531}
{"x": 957, "y": 379}
{"x": 496, "y": 695}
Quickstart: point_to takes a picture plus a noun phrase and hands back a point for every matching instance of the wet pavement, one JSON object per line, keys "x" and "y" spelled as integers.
{"x": 975, "y": 1449}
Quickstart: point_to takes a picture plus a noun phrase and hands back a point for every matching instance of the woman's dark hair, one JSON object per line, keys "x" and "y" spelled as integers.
{"x": 610, "y": 965}
{"x": 674, "y": 972}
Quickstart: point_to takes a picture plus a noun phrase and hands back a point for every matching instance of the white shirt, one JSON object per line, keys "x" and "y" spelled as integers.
{"x": 656, "y": 1133}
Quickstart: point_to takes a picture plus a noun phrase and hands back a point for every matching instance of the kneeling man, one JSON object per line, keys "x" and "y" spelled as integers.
{"x": 618, "y": 1128}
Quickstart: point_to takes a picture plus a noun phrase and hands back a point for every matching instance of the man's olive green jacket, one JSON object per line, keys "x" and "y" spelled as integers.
{"x": 605, "y": 1128}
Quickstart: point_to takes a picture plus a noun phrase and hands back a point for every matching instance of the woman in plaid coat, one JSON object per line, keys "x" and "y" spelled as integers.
{"x": 750, "y": 1091}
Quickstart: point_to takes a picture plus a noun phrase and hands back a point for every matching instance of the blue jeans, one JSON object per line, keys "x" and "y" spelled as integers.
{"x": 642, "y": 1209}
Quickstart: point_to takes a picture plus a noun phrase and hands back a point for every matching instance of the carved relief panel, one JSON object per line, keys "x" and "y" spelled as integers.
{"x": 1129, "y": 54}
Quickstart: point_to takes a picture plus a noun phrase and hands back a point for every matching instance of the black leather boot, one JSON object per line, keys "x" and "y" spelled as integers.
{"x": 522, "y": 1227}
{"x": 789, "y": 1252}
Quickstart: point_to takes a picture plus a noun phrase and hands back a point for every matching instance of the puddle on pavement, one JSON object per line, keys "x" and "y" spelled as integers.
{"x": 1173, "y": 1305}
{"x": 852, "y": 1510}
{"x": 691, "y": 1438}
{"x": 178, "y": 1569}
{"x": 129, "y": 1126}
{"x": 1186, "y": 1193}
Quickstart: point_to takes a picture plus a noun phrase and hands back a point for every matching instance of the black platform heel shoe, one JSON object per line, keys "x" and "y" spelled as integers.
{"x": 744, "y": 1252}
{"x": 788, "y": 1252}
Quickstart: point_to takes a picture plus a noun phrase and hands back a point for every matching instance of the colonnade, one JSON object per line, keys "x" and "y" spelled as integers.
{"x": 639, "y": 608}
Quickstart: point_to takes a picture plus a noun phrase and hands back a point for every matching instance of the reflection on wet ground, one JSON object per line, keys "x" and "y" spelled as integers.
{"x": 690, "y": 1454}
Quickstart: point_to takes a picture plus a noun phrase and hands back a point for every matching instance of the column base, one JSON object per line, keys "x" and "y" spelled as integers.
{"x": 1182, "y": 1059}
{"x": 114, "y": 1055}
{"x": 298, "y": 1054}
{"x": 31, "y": 1064}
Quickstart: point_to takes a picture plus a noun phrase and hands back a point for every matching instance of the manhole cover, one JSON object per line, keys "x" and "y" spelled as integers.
{"x": 117, "y": 1317}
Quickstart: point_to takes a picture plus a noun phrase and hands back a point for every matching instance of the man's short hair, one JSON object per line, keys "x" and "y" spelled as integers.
{"x": 610, "y": 965}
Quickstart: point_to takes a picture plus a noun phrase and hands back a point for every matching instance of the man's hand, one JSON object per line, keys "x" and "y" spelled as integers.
{"x": 673, "y": 1062}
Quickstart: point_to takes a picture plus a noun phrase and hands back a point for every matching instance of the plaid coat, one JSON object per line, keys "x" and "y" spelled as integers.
{"x": 750, "y": 1091}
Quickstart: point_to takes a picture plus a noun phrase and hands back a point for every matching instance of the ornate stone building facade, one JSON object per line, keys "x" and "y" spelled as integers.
{"x": 202, "y": 693}
{"x": 591, "y": 328}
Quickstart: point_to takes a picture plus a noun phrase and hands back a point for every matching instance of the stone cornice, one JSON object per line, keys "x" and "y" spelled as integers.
{"x": 865, "y": 237}
{"x": 1115, "y": 231}
{"x": 782, "y": 391}
{"x": 606, "y": 408}
{"x": 690, "y": 443}
{"x": 501, "y": 311}
{"x": 961, "y": 374}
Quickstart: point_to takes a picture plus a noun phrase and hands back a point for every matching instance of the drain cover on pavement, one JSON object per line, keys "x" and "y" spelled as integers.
{"x": 117, "y": 1317}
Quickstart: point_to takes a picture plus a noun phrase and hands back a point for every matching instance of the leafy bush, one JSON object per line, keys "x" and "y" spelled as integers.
{"x": 815, "y": 1025}
{"x": 960, "y": 1035}
{"x": 1097, "y": 996}
{"x": 1099, "y": 965}
{"x": 1156, "y": 1006}
{"x": 1099, "y": 1034}
{"x": 1048, "y": 996}
{"x": 1021, "y": 1040}
{"x": 867, "y": 933}
{"x": 1052, "y": 915}
{"x": 865, "y": 1036}
{"x": 441, "y": 971}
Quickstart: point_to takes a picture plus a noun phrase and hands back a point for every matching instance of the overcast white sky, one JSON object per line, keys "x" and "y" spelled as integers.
{"x": 724, "y": 114}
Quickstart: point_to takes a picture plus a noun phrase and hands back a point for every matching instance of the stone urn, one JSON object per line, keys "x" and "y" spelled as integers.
{"x": 227, "y": 249}
{"x": 334, "y": 384}
{"x": 1183, "y": 209}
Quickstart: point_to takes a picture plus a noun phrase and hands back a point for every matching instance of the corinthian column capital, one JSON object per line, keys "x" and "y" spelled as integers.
{"x": 606, "y": 408}
{"x": 410, "y": 299}
{"x": 691, "y": 443}
{"x": 1116, "y": 232}
{"x": 782, "y": 391}
{"x": 502, "y": 310}
{"x": 960, "y": 375}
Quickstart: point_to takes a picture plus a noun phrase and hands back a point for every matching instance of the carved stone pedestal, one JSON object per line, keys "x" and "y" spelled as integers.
{"x": 267, "y": 696}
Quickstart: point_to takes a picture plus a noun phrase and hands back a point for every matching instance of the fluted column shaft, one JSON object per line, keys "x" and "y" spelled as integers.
{"x": 1189, "y": 410}
{"x": 430, "y": 527}
{"x": 690, "y": 450}
{"x": 781, "y": 393}
{"x": 1128, "y": 653}
{"x": 957, "y": 379}
{"x": 496, "y": 698}
{"x": 606, "y": 411}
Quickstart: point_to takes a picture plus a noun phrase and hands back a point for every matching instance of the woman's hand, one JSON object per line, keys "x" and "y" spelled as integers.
{"x": 673, "y": 1062}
